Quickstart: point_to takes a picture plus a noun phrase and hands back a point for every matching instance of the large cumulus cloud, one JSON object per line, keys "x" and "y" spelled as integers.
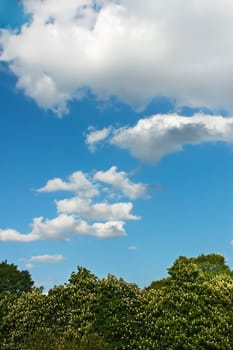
{"x": 133, "y": 50}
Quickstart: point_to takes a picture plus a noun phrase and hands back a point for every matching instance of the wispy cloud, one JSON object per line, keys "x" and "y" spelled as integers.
{"x": 158, "y": 50}
{"x": 40, "y": 259}
{"x": 47, "y": 258}
{"x": 96, "y": 136}
{"x": 132, "y": 248}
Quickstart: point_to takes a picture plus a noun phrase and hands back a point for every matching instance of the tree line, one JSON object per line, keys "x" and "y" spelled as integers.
{"x": 190, "y": 309}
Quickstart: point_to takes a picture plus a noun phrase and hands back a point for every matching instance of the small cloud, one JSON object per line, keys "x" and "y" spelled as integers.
{"x": 96, "y": 136}
{"x": 132, "y": 248}
{"x": 29, "y": 265}
{"x": 51, "y": 259}
{"x": 77, "y": 182}
{"x": 157, "y": 187}
{"x": 40, "y": 259}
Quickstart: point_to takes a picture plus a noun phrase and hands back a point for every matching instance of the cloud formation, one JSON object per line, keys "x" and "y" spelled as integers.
{"x": 40, "y": 259}
{"x": 46, "y": 258}
{"x": 120, "y": 182}
{"x": 77, "y": 182}
{"x": 133, "y": 50}
{"x": 154, "y": 137}
{"x": 95, "y": 136}
{"x": 132, "y": 248}
{"x": 82, "y": 214}
{"x": 99, "y": 211}
{"x": 63, "y": 227}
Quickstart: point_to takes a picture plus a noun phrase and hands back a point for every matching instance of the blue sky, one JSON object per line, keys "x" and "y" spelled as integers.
{"x": 116, "y": 136}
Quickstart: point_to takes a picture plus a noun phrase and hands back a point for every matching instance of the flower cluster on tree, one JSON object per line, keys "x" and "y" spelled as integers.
{"x": 191, "y": 309}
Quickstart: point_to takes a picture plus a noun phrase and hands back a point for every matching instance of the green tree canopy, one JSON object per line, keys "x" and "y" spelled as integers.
{"x": 191, "y": 309}
{"x": 207, "y": 266}
{"x": 13, "y": 280}
{"x": 212, "y": 265}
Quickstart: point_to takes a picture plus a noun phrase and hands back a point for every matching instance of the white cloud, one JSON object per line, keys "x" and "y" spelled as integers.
{"x": 29, "y": 265}
{"x": 154, "y": 137}
{"x": 98, "y": 211}
{"x": 38, "y": 259}
{"x": 108, "y": 229}
{"x": 59, "y": 228}
{"x": 132, "y": 248}
{"x": 96, "y": 136}
{"x": 47, "y": 258}
{"x": 83, "y": 214}
{"x": 87, "y": 187}
{"x": 63, "y": 227}
{"x": 11, "y": 235}
{"x": 119, "y": 181}
{"x": 77, "y": 182}
{"x": 131, "y": 49}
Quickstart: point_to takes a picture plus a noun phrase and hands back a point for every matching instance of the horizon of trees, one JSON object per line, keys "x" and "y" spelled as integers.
{"x": 190, "y": 309}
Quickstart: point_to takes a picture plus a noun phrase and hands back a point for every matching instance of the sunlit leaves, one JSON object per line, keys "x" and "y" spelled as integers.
{"x": 192, "y": 309}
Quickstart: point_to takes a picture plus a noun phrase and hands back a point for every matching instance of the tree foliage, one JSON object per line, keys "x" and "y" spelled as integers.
{"x": 191, "y": 313}
{"x": 13, "y": 280}
{"x": 191, "y": 309}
